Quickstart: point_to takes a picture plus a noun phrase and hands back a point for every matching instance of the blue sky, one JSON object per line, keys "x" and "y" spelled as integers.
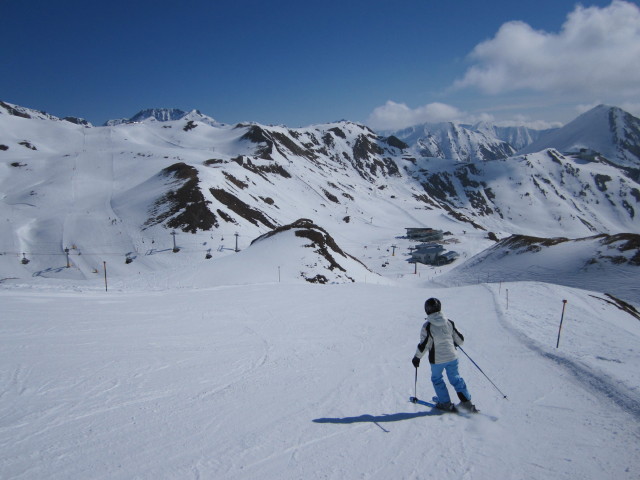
{"x": 381, "y": 62}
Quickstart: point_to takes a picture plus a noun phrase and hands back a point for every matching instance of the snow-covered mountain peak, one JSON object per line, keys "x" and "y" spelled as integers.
{"x": 454, "y": 141}
{"x": 159, "y": 114}
{"x": 164, "y": 115}
{"x": 609, "y": 131}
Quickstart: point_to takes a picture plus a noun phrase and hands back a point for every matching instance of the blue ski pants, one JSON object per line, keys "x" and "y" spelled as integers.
{"x": 457, "y": 382}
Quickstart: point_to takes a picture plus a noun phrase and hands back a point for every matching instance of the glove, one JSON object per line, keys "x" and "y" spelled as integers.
{"x": 416, "y": 362}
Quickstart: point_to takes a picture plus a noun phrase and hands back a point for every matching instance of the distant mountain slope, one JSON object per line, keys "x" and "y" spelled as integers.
{"x": 164, "y": 115}
{"x": 518, "y": 137}
{"x": 546, "y": 190}
{"x": 607, "y": 130}
{"x": 603, "y": 263}
{"x": 453, "y": 141}
{"x": 123, "y": 189}
{"x": 23, "y": 112}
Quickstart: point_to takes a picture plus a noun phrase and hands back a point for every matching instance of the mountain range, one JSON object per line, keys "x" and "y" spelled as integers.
{"x": 121, "y": 187}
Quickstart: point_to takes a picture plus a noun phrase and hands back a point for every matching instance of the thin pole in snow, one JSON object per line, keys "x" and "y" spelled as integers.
{"x": 175, "y": 247}
{"x": 564, "y": 304}
{"x": 106, "y": 289}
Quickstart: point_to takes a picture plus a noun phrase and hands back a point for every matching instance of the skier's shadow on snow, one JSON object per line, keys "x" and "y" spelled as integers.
{"x": 393, "y": 417}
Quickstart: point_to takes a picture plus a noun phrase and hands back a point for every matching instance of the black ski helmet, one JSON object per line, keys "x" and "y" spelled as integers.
{"x": 432, "y": 306}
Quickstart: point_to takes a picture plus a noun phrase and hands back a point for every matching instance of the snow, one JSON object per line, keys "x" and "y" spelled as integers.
{"x": 301, "y": 381}
{"x": 237, "y": 368}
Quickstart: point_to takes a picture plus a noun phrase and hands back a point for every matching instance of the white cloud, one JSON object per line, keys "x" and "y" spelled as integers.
{"x": 393, "y": 116}
{"x": 525, "y": 121}
{"x": 597, "y": 51}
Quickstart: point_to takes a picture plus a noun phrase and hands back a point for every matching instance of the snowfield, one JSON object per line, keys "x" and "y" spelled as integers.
{"x": 305, "y": 381}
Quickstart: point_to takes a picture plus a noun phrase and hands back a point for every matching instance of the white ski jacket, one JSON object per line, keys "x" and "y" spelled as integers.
{"x": 439, "y": 338}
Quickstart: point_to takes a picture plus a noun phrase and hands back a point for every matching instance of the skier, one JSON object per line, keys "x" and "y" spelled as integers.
{"x": 439, "y": 337}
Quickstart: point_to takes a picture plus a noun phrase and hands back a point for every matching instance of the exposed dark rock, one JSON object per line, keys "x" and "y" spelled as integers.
{"x": 28, "y": 145}
{"x": 531, "y": 244}
{"x": 321, "y": 279}
{"x": 189, "y": 126}
{"x": 601, "y": 181}
{"x": 238, "y": 183}
{"x": 628, "y": 242}
{"x": 263, "y": 170}
{"x": 330, "y": 196}
{"x": 258, "y": 135}
{"x": 213, "y": 161}
{"x": 236, "y": 205}
{"x": 13, "y": 111}
{"x": 292, "y": 146}
{"x": 184, "y": 206}
{"x": 77, "y": 121}
{"x": 338, "y": 132}
{"x": 395, "y": 142}
{"x": 226, "y": 217}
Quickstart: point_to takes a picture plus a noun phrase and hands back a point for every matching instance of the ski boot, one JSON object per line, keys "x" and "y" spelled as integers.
{"x": 469, "y": 407}
{"x": 445, "y": 406}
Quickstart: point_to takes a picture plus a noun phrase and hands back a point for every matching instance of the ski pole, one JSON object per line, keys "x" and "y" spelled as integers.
{"x": 414, "y": 399}
{"x": 494, "y": 385}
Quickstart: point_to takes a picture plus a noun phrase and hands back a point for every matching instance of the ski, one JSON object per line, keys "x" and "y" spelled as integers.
{"x": 458, "y": 409}
{"x": 417, "y": 401}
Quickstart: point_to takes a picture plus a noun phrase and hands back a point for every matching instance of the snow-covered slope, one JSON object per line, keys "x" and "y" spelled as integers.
{"x": 454, "y": 141}
{"x": 286, "y": 381}
{"x": 603, "y": 263}
{"x": 518, "y": 137}
{"x": 609, "y": 131}
{"x": 541, "y": 192}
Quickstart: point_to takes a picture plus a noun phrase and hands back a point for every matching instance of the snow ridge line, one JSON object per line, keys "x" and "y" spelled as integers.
{"x": 581, "y": 373}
